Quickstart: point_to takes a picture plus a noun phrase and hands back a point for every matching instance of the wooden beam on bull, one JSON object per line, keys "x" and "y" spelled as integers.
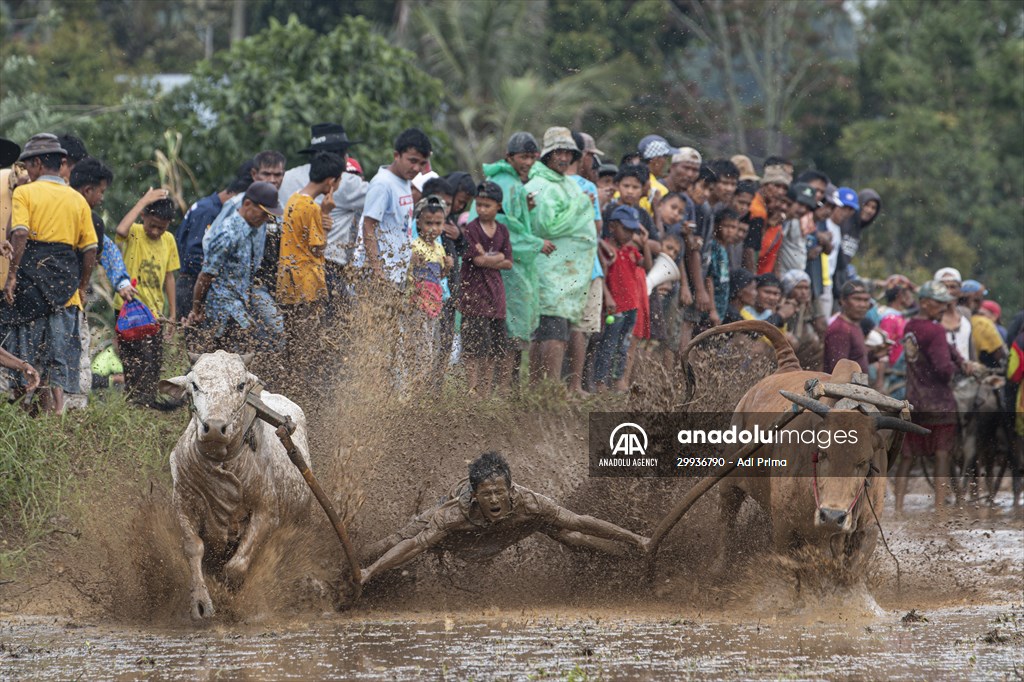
{"x": 704, "y": 485}
{"x": 864, "y": 394}
{"x": 285, "y": 427}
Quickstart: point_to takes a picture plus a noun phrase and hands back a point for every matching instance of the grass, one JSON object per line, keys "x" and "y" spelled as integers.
{"x": 48, "y": 465}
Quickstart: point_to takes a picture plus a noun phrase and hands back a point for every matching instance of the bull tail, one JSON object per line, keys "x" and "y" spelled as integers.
{"x": 784, "y": 354}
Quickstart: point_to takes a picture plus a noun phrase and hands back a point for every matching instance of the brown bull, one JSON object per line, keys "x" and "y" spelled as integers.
{"x": 823, "y": 495}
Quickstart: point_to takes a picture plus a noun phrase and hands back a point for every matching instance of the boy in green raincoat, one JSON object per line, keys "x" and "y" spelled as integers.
{"x": 522, "y": 302}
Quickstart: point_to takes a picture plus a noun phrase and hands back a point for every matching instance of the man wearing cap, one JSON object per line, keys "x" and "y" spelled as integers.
{"x": 776, "y": 182}
{"x": 655, "y": 152}
{"x": 522, "y": 297}
{"x": 190, "y": 233}
{"x": 985, "y": 337}
{"x": 832, "y": 228}
{"x": 845, "y": 338}
{"x": 51, "y": 226}
{"x": 847, "y": 206}
{"x": 563, "y": 215}
{"x": 955, "y": 318}
{"x": 931, "y": 364}
{"x": 224, "y": 300}
{"x": 348, "y": 201}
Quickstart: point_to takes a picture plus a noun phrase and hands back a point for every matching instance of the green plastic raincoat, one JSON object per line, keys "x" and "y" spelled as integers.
{"x": 564, "y": 215}
{"x": 522, "y": 304}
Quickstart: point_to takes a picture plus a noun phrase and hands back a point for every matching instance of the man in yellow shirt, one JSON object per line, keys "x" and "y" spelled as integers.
{"x": 985, "y": 337}
{"x": 151, "y": 258}
{"x": 655, "y": 152}
{"x": 50, "y": 227}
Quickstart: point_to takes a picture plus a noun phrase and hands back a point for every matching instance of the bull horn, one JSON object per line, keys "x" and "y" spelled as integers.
{"x": 193, "y": 358}
{"x": 897, "y": 424}
{"x": 816, "y": 406}
{"x": 247, "y": 358}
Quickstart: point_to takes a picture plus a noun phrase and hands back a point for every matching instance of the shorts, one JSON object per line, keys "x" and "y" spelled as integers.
{"x": 52, "y": 345}
{"x": 483, "y": 336}
{"x": 590, "y": 323}
{"x": 552, "y": 328}
{"x": 942, "y": 437}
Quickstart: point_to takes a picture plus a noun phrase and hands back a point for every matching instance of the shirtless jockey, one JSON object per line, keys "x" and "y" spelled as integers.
{"x": 489, "y": 514}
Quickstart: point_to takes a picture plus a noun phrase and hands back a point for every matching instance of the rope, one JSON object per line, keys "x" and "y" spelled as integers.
{"x": 885, "y": 543}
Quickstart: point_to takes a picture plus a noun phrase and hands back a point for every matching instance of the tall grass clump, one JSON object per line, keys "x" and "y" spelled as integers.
{"x": 50, "y": 465}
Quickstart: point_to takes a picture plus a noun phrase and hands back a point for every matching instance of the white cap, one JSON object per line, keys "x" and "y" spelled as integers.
{"x": 948, "y": 273}
{"x": 422, "y": 178}
{"x": 687, "y": 155}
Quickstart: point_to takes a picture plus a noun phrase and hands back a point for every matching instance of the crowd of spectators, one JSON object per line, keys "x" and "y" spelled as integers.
{"x": 587, "y": 271}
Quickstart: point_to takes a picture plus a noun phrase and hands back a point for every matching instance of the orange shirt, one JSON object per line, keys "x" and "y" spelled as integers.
{"x": 770, "y": 244}
{"x": 300, "y": 273}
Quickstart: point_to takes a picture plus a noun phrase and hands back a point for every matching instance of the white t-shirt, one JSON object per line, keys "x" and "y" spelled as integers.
{"x": 389, "y": 201}
{"x": 348, "y": 204}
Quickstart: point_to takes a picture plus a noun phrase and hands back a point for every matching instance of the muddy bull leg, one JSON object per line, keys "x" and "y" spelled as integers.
{"x": 285, "y": 427}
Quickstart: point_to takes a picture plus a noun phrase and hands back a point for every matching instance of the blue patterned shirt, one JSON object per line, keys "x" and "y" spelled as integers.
{"x": 233, "y": 251}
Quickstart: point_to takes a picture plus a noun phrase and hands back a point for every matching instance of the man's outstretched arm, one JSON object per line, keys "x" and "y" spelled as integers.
{"x": 404, "y": 552}
{"x": 572, "y": 521}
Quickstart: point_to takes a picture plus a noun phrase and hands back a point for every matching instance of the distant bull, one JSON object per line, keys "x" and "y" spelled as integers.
{"x": 823, "y": 497}
{"x": 233, "y": 482}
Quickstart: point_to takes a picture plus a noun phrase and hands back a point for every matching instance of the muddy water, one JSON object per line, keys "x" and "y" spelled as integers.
{"x": 962, "y": 574}
{"x": 547, "y": 645}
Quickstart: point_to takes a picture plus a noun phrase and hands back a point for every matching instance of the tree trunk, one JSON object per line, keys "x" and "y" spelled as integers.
{"x": 237, "y": 21}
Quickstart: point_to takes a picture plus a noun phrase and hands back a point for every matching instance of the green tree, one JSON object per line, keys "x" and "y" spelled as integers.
{"x": 751, "y": 66}
{"x": 940, "y": 138}
{"x": 486, "y": 54}
{"x": 249, "y": 98}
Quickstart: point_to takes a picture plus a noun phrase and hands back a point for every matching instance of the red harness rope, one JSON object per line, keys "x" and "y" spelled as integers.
{"x": 817, "y": 501}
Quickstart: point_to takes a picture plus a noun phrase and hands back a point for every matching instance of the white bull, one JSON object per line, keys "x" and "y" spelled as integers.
{"x": 233, "y": 483}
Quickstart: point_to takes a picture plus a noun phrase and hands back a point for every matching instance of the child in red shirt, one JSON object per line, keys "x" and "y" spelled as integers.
{"x": 624, "y": 287}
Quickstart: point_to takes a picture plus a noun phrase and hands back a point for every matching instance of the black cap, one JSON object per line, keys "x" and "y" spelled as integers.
{"x": 739, "y": 279}
{"x": 768, "y": 280}
{"x": 328, "y": 137}
{"x": 489, "y": 190}
{"x": 264, "y": 194}
{"x": 802, "y": 193}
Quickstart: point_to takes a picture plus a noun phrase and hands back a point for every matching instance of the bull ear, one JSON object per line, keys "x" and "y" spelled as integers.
{"x": 193, "y": 358}
{"x": 174, "y": 387}
{"x": 247, "y": 358}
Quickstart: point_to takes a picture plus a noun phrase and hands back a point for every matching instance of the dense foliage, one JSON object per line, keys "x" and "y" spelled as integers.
{"x": 921, "y": 100}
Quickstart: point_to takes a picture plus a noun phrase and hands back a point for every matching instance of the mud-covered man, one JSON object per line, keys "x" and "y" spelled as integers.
{"x": 488, "y": 514}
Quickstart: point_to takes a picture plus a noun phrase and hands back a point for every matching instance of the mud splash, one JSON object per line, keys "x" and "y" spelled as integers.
{"x": 387, "y": 447}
